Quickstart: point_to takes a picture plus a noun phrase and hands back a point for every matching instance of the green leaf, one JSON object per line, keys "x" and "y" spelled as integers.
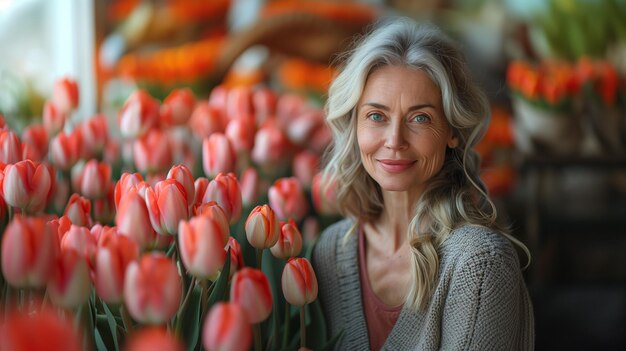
{"x": 112, "y": 324}
{"x": 316, "y": 326}
{"x": 100, "y": 346}
{"x": 220, "y": 292}
{"x": 191, "y": 323}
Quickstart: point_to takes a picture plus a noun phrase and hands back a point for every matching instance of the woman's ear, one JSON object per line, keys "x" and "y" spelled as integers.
{"x": 453, "y": 141}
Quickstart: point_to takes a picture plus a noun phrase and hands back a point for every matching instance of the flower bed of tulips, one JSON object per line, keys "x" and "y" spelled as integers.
{"x": 187, "y": 224}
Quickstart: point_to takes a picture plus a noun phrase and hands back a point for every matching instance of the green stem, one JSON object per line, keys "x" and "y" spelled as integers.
{"x": 183, "y": 307}
{"x": 287, "y": 320}
{"x": 205, "y": 297}
{"x": 259, "y": 258}
{"x": 10, "y": 213}
{"x": 128, "y": 322}
{"x": 302, "y": 328}
{"x": 258, "y": 343}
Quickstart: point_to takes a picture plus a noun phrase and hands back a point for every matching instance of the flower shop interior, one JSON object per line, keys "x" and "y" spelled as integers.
{"x": 75, "y": 74}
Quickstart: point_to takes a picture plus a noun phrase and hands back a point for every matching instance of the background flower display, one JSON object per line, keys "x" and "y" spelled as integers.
{"x": 175, "y": 226}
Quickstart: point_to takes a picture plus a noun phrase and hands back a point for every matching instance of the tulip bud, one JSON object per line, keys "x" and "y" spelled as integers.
{"x": 240, "y": 132}
{"x": 287, "y": 198}
{"x": 250, "y": 288}
{"x": 305, "y": 166}
{"x": 249, "y": 186}
{"x": 113, "y": 255}
{"x": 262, "y": 227}
{"x": 183, "y": 175}
{"x": 10, "y": 147}
{"x": 127, "y": 180}
{"x": 65, "y": 94}
{"x": 289, "y": 242}
{"x": 224, "y": 190}
{"x": 152, "y": 289}
{"x": 226, "y": 328}
{"x": 239, "y": 102}
{"x": 177, "y": 107}
{"x": 139, "y": 113}
{"x": 218, "y": 155}
{"x": 94, "y": 179}
{"x": 29, "y": 250}
{"x": 324, "y": 195}
{"x": 132, "y": 219}
{"x": 80, "y": 240}
{"x": 153, "y": 338}
{"x": 299, "y": 282}
{"x": 70, "y": 284}
{"x": 78, "y": 210}
{"x": 65, "y": 149}
{"x": 26, "y": 185}
{"x": 59, "y": 226}
{"x": 53, "y": 118}
{"x": 271, "y": 148}
{"x": 201, "y": 242}
{"x": 36, "y": 136}
{"x": 95, "y": 136}
{"x": 153, "y": 152}
{"x": 212, "y": 210}
{"x": 206, "y": 120}
{"x": 236, "y": 256}
{"x": 104, "y": 208}
{"x": 264, "y": 102}
{"x": 200, "y": 186}
{"x": 167, "y": 205}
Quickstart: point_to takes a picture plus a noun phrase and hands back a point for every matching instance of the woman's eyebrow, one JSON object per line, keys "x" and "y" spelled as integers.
{"x": 385, "y": 108}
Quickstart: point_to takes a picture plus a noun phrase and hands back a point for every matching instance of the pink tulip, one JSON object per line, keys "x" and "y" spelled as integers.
{"x": 271, "y": 149}
{"x": 264, "y": 101}
{"x": 126, "y": 182}
{"x": 206, "y": 120}
{"x": 213, "y": 211}
{"x": 10, "y": 147}
{"x": 78, "y": 210}
{"x": 95, "y": 179}
{"x": 153, "y": 338}
{"x": 201, "y": 242}
{"x": 289, "y": 242}
{"x": 250, "y": 288}
{"x": 177, "y": 107}
{"x": 324, "y": 195}
{"x": 36, "y": 136}
{"x": 153, "y": 152}
{"x": 249, "y": 186}
{"x": 53, "y": 118}
{"x": 299, "y": 282}
{"x": 218, "y": 155}
{"x": 287, "y": 198}
{"x": 226, "y": 328}
{"x": 132, "y": 219}
{"x": 26, "y": 185}
{"x": 224, "y": 190}
{"x": 59, "y": 226}
{"x": 152, "y": 289}
{"x": 240, "y": 132}
{"x": 138, "y": 115}
{"x": 113, "y": 255}
{"x": 239, "y": 102}
{"x": 65, "y": 94}
{"x": 38, "y": 329}
{"x": 183, "y": 175}
{"x": 300, "y": 128}
{"x": 289, "y": 106}
{"x": 65, "y": 149}
{"x": 82, "y": 241}
{"x": 29, "y": 250}
{"x": 102, "y": 232}
{"x": 70, "y": 284}
{"x": 320, "y": 139}
{"x": 200, "y": 186}
{"x": 112, "y": 153}
{"x": 305, "y": 166}
{"x": 95, "y": 136}
{"x": 167, "y": 205}
{"x": 218, "y": 97}
{"x": 262, "y": 227}
{"x": 236, "y": 256}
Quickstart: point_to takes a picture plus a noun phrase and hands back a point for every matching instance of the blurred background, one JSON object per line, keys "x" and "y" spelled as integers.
{"x": 553, "y": 157}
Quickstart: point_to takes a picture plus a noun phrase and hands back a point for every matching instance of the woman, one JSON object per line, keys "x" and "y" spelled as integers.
{"x": 420, "y": 262}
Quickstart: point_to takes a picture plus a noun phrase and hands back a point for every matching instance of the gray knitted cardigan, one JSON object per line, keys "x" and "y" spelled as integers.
{"x": 479, "y": 302}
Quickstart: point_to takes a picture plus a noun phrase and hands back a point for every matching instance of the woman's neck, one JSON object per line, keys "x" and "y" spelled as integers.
{"x": 396, "y": 217}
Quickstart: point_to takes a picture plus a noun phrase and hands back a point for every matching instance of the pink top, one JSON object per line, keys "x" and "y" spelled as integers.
{"x": 379, "y": 317}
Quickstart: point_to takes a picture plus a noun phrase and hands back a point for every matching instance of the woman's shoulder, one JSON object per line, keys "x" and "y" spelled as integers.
{"x": 472, "y": 242}
{"x": 326, "y": 244}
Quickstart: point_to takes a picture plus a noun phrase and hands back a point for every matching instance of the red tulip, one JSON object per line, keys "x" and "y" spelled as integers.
{"x": 201, "y": 242}
{"x": 29, "y": 250}
{"x": 152, "y": 289}
{"x": 78, "y": 210}
{"x": 70, "y": 285}
{"x": 113, "y": 255}
{"x": 224, "y": 190}
{"x": 262, "y": 227}
{"x": 305, "y": 166}
{"x": 218, "y": 155}
{"x": 212, "y": 210}
{"x": 299, "y": 282}
{"x": 139, "y": 113}
{"x": 238, "y": 102}
{"x": 59, "y": 226}
{"x": 177, "y": 107}
{"x": 240, "y": 132}
{"x": 82, "y": 241}
{"x": 200, "y": 186}
{"x": 167, "y": 205}
{"x": 10, "y": 147}
{"x": 271, "y": 149}
{"x": 218, "y": 97}
{"x": 153, "y": 338}
{"x": 301, "y": 127}
{"x": 53, "y": 118}
{"x": 94, "y": 180}
{"x": 132, "y": 219}
{"x": 289, "y": 242}
{"x": 39, "y": 330}
{"x": 323, "y": 193}
{"x": 236, "y": 256}
{"x": 65, "y": 94}
{"x": 287, "y": 199}
{"x": 206, "y": 120}
{"x": 95, "y": 136}
{"x": 264, "y": 101}
{"x": 153, "y": 152}
{"x": 26, "y": 185}
{"x": 226, "y": 328}
{"x": 290, "y": 105}
{"x": 65, "y": 149}
{"x": 251, "y": 290}
{"x": 183, "y": 175}
{"x": 36, "y": 136}
{"x": 126, "y": 182}
{"x": 249, "y": 186}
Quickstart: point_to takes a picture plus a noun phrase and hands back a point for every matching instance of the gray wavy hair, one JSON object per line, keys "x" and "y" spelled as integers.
{"x": 456, "y": 195}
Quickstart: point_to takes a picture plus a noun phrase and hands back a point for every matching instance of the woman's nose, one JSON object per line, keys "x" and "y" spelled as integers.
{"x": 395, "y": 138}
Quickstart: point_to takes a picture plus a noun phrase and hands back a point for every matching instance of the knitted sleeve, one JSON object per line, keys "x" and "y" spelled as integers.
{"x": 488, "y": 307}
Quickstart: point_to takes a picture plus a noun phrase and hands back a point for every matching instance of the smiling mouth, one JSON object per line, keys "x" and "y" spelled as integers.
{"x": 396, "y": 166}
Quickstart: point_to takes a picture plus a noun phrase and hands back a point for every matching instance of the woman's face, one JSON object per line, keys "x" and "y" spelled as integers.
{"x": 401, "y": 128}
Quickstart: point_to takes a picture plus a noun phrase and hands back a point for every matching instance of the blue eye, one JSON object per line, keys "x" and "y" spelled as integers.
{"x": 421, "y": 118}
{"x": 376, "y": 117}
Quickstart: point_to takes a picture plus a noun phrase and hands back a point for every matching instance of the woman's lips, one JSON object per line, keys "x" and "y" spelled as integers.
{"x": 396, "y": 166}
